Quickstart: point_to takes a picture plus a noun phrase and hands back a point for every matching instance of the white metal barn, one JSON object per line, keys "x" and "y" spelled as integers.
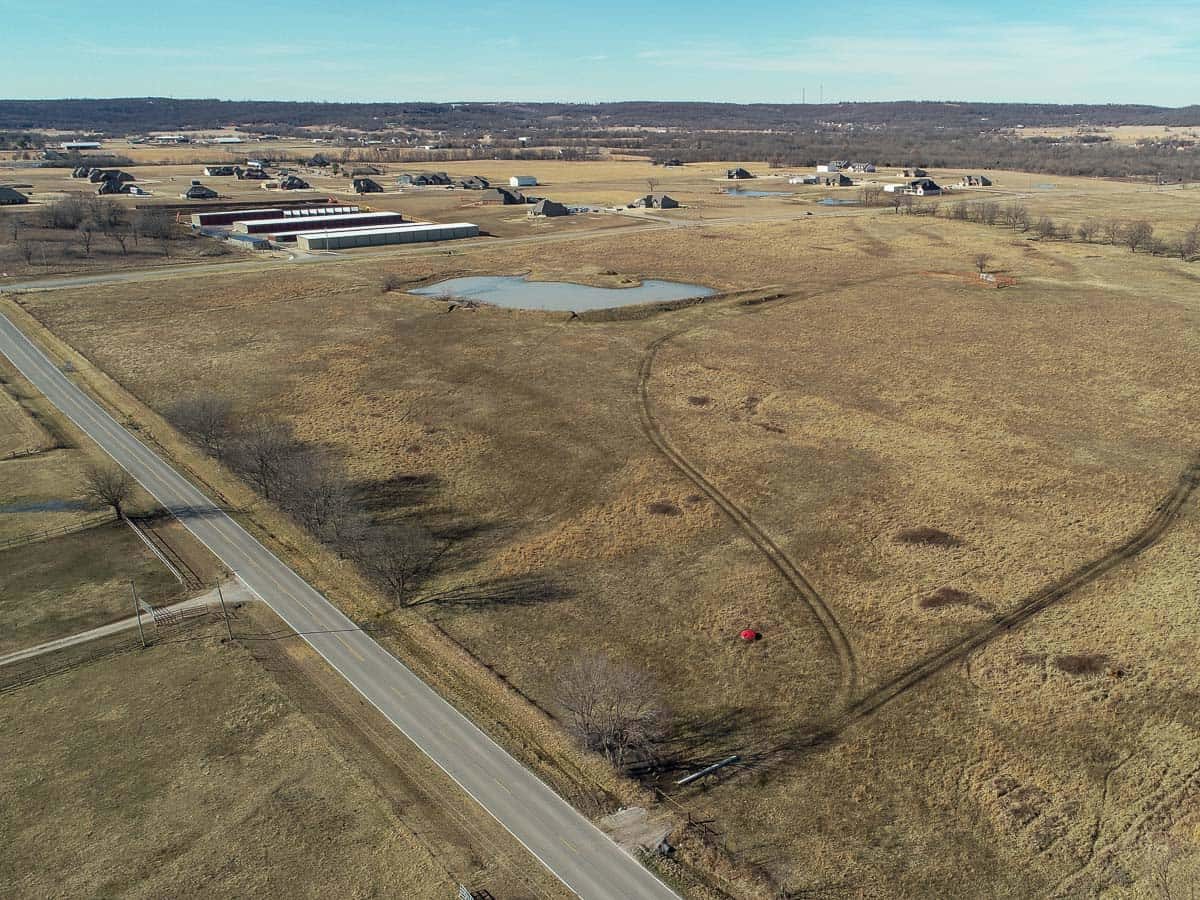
{"x": 520, "y": 181}
{"x": 384, "y": 234}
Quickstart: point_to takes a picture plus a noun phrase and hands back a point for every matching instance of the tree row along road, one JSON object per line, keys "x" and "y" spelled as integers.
{"x": 564, "y": 841}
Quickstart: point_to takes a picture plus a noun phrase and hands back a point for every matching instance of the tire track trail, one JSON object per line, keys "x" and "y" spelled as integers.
{"x": 782, "y": 563}
{"x": 1165, "y": 515}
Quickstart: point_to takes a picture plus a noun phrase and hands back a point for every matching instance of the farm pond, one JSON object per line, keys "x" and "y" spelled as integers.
{"x": 517, "y": 292}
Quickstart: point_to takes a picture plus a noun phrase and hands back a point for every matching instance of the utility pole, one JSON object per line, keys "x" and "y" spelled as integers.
{"x": 137, "y": 610}
{"x": 225, "y": 612}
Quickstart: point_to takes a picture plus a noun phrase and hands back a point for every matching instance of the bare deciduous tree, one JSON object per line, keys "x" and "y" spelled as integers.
{"x": 27, "y": 249}
{"x": 981, "y": 261}
{"x": 84, "y": 234}
{"x": 1015, "y": 216}
{"x": 1111, "y": 230}
{"x": 612, "y": 708}
{"x": 400, "y": 559}
{"x": 1138, "y": 234}
{"x": 1046, "y": 229}
{"x": 107, "y": 485}
{"x": 207, "y": 419}
{"x": 1189, "y": 244}
{"x": 1087, "y": 230}
{"x": 265, "y": 454}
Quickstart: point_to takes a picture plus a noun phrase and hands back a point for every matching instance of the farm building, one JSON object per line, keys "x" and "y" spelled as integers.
{"x": 366, "y": 186}
{"x": 287, "y": 227}
{"x": 424, "y": 179}
{"x": 804, "y": 179}
{"x": 549, "y": 208}
{"x": 81, "y": 145}
{"x": 826, "y": 168}
{"x": 474, "y": 183}
{"x": 214, "y": 171}
{"x": 293, "y": 183}
{"x": 379, "y": 236}
{"x": 656, "y": 201}
{"x": 520, "y": 181}
{"x": 502, "y": 196}
{"x": 199, "y": 192}
{"x": 673, "y": 163}
{"x": 250, "y": 241}
{"x": 895, "y": 188}
{"x": 11, "y": 197}
{"x": 95, "y": 176}
{"x": 229, "y": 216}
{"x": 738, "y": 173}
{"x": 227, "y": 139}
{"x": 975, "y": 181}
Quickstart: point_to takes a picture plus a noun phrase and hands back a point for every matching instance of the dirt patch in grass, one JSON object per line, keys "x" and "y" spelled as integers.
{"x": 699, "y": 401}
{"x": 664, "y": 508}
{"x": 947, "y": 596}
{"x": 926, "y": 536}
{"x": 1081, "y": 663}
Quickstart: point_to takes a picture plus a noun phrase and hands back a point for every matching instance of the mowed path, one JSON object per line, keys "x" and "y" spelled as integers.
{"x": 565, "y": 842}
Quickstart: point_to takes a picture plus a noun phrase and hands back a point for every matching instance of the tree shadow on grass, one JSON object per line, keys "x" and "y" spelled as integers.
{"x": 498, "y": 592}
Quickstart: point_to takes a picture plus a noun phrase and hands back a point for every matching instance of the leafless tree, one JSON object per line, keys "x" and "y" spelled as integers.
{"x": 1137, "y": 235}
{"x": 207, "y": 419}
{"x": 989, "y": 212}
{"x": 1189, "y": 244}
{"x": 66, "y": 213}
{"x": 399, "y": 559}
{"x": 651, "y": 183}
{"x": 1111, "y": 230}
{"x": 27, "y": 249}
{"x": 265, "y": 454}
{"x": 108, "y": 485}
{"x": 85, "y": 233}
{"x": 1087, "y": 230}
{"x": 14, "y": 227}
{"x": 1046, "y": 229}
{"x": 1016, "y": 216}
{"x": 612, "y": 708}
{"x": 982, "y": 260}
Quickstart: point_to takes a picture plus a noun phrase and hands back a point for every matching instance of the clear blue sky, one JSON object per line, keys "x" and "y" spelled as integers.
{"x": 1020, "y": 50}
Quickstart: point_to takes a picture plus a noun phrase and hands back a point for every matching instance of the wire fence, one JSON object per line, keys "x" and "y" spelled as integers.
{"x": 41, "y": 534}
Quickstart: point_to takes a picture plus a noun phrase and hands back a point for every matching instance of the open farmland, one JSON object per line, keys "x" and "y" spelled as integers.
{"x": 878, "y": 460}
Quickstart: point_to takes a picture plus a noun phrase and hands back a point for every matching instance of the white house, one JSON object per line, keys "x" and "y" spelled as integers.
{"x": 520, "y": 181}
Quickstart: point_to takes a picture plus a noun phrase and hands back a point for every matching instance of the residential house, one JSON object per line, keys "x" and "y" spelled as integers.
{"x": 975, "y": 181}
{"x": 199, "y": 192}
{"x": 366, "y": 186}
{"x": 656, "y": 201}
{"x": 11, "y": 197}
{"x": 546, "y": 207}
{"x": 738, "y": 173}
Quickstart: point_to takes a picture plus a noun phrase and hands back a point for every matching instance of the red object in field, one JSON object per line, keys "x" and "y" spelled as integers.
{"x": 750, "y": 635}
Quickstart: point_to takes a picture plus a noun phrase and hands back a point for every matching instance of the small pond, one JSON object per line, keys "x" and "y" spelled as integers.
{"x": 837, "y": 201}
{"x": 748, "y": 192}
{"x": 515, "y": 292}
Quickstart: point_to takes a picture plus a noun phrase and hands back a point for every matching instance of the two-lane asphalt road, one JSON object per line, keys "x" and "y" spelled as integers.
{"x": 566, "y": 843}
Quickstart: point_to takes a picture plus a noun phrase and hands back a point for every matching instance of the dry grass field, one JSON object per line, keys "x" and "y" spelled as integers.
{"x": 917, "y": 455}
{"x": 64, "y": 585}
{"x": 184, "y": 771}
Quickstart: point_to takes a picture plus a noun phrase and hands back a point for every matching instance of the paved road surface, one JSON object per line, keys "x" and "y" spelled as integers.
{"x": 565, "y": 842}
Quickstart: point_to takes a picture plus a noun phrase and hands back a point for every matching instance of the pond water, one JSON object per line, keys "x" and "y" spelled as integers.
{"x": 748, "y": 192}
{"x": 515, "y": 292}
{"x": 837, "y": 201}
